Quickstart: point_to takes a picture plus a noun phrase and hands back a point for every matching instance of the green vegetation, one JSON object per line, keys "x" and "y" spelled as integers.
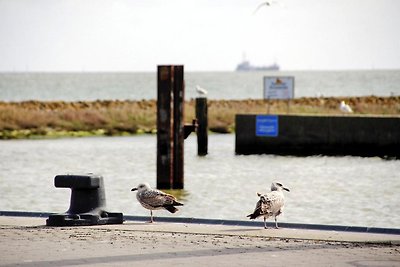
{"x": 38, "y": 119}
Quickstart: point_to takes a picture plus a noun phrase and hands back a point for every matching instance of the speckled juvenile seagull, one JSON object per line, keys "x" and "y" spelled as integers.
{"x": 270, "y": 204}
{"x": 153, "y": 199}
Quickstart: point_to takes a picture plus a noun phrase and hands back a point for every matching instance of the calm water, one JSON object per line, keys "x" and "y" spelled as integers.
{"x": 221, "y": 85}
{"x": 326, "y": 190}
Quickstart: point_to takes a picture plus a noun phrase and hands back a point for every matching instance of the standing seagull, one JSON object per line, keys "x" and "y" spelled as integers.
{"x": 270, "y": 204}
{"x": 153, "y": 199}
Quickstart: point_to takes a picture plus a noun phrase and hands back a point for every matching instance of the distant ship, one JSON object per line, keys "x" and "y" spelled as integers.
{"x": 246, "y": 66}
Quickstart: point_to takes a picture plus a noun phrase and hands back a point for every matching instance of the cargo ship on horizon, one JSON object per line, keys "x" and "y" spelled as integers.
{"x": 246, "y": 66}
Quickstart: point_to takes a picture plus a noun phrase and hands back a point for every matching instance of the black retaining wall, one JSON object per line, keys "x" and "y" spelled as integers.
{"x": 321, "y": 135}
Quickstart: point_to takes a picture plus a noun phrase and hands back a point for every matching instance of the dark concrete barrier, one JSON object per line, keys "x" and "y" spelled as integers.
{"x": 318, "y": 135}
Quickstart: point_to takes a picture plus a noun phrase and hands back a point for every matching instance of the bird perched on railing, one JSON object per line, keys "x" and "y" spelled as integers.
{"x": 201, "y": 91}
{"x": 345, "y": 108}
{"x": 153, "y": 199}
{"x": 270, "y": 204}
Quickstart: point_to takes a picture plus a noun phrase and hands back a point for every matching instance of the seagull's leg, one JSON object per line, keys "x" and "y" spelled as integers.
{"x": 151, "y": 216}
{"x": 276, "y": 223}
{"x": 265, "y": 223}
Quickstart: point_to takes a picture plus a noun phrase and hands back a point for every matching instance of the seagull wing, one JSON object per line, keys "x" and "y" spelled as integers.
{"x": 261, "y": 5}
{"x": 262, "y": 208}
{"x": 156, "y": 198}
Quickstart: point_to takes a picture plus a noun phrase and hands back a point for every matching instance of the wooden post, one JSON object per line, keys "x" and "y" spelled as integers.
{"x": 170, "y": 128}
{"x": 202, "y": 126}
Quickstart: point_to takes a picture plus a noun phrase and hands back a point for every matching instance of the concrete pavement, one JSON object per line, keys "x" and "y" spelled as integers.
{"x": 26, "y": 241}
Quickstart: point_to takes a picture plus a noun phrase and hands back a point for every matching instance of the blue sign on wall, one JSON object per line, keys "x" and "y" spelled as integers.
{"x": 267, "y": 125}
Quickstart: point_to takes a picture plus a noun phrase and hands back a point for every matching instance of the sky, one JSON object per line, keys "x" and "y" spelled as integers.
{"x": 202, "y": 35}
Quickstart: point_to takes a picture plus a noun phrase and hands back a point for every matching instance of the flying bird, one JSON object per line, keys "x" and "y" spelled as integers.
{"x": 270, "y": 204}
{"x": 201, "y": 91}
{"x": 153, "y": 199}
{"x": 345, "y": 108}
{"x": 266, "y": 3}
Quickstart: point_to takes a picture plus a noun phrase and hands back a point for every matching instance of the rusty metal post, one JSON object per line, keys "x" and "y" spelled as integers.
{"x": 164, "y": 157}
{"x": 178, "y": 134}
{"x": 170, "y": 127}
{"x": 202, "y": 128}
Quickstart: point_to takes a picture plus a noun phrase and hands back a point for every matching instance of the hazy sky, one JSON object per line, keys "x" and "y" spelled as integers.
{"x": 204, "y": 35}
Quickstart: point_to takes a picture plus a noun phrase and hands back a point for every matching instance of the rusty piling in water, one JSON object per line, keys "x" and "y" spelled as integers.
{"x": 171, "y": 130}
{"x": 202, "y": 128}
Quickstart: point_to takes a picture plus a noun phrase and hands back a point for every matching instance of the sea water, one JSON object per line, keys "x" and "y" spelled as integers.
{"x": 220, "y": 85}
{"x": 324, "y": 190}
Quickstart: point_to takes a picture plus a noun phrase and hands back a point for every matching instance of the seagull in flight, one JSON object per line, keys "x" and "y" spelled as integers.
{"x": 267, "y": 4}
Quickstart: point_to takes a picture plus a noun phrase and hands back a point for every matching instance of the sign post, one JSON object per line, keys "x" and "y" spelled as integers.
{"x": 277, "y": 87}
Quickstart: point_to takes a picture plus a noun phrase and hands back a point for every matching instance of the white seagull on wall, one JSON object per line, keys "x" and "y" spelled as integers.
{"x": 345, "y": 108}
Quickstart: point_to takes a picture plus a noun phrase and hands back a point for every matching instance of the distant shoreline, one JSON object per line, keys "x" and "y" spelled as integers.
{"x": 54, "y": 119}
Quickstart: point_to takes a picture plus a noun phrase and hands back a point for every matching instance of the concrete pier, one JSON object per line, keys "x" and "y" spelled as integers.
{"x": 26, "y": 241}
{"x": 314, "y": 135}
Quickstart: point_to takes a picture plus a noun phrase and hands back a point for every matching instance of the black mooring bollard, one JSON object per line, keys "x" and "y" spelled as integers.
{"x": 202, "y": 126}
{"x": 88, "y": 202}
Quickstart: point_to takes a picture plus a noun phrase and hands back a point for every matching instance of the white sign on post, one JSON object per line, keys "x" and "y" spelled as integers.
{"x": 278, "y": 87}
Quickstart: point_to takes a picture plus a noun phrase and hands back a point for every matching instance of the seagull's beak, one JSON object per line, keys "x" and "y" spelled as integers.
{"x": 287, "y": 189}
{"x": 134, "y": 189}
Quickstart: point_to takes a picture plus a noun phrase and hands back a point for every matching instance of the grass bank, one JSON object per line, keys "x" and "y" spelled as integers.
{"x": 41, "y": 119}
